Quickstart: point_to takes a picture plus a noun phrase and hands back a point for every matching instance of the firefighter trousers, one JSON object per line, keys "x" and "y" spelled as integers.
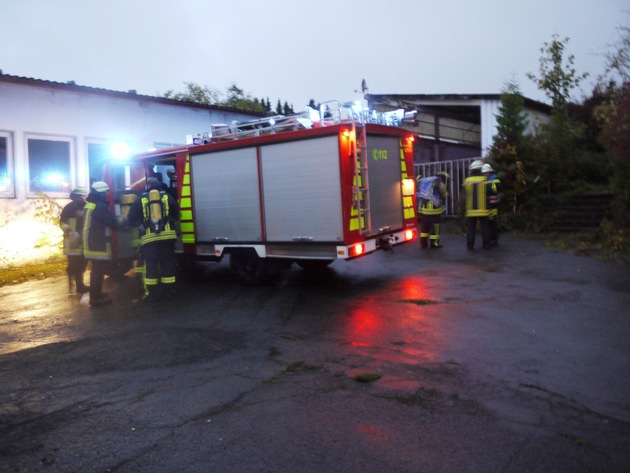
{"x": 159, "y": 260}
{"x": 471, "y": 231}
{"x": 430, "y": 230}
{"x": 77, "y": 265}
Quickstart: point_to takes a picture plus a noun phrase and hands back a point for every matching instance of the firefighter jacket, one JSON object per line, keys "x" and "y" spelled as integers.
{"x": 435, "y": 205}
{"x": 98, "y": 222}
{"x": 164, "y": 226}
{"x": 475, "y": 192}
{"x": 494, "y": 189}
{"x": 71, "y": 222}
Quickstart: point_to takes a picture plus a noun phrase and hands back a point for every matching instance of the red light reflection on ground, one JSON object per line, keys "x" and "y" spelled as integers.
{"x": 400, "y": 324}
{"x": 365, "y": 325}
{"x": 375, "y": 433}
{"x": 415, "y": 289}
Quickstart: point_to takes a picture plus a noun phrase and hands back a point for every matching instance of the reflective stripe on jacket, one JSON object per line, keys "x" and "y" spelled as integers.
{"x": 98, "y": 222}
{"x": 475, "y": 188}
{"x": 428, "y": 207}
{"x": 164, "y": 230}
{"x": 494, "y": 189}
{"x": 71, "y": 222}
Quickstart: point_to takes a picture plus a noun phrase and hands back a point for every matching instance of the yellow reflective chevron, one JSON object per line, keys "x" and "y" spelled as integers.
{"x": 409, "y": 211}
{"x": 185, "y": 205}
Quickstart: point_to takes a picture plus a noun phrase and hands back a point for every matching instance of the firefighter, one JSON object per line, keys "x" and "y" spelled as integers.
{"x": 98, "y": 223}
{"x": 494, "y": 189}
{"x": 172, "y": 182}
{"x": 432, "y": 201}
{"x": 71, "y": 222}
{"x": 475, "y": 205}
{"x": 157, "y": 213}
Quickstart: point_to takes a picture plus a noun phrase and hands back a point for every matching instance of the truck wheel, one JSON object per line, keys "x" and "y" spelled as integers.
{"x": 249, "y": 267}
{"x": 314, "y": 265}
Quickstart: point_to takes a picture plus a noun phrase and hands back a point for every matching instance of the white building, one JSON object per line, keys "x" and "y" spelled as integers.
{"x": 55, "y": 136}
{"x": 455, "y": 126}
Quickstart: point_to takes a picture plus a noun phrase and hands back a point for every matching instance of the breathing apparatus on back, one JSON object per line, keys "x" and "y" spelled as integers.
{"x": 156, "y": 206}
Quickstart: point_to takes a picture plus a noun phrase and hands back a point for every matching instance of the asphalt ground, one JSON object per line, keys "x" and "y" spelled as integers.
{"x": 514, "y": 359}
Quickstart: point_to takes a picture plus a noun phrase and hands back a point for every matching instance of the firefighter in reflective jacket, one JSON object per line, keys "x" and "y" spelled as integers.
{"x": 98, "y": 223}
{"x": 432, "y": 201}
{"x": 157, "y": 213}
{"x": 71, "y": 222}
{"x": 475, "y": 190}
{"x": 494, "y": 198}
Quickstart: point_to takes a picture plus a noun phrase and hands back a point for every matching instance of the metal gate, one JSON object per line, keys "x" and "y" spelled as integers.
{"x": 457, "y": 169}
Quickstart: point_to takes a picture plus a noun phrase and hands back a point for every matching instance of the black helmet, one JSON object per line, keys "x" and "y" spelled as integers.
{"x": 153, "y": 183}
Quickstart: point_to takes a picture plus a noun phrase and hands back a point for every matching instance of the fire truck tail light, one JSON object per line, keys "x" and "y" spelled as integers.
{"x": 346, "y": 133}
{"x": 356, "y": 250}
{"x": 409, "y": 234}
{"x": 408, "y": 187}
{"x": 411, "y": 139}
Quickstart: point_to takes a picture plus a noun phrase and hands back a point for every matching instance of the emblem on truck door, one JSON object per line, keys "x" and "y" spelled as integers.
{"x": 378, "y": 154}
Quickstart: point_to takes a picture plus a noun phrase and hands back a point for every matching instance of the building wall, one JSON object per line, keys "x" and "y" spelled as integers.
{"x": 456, "y": 126}
{"x": 33, "y": 112}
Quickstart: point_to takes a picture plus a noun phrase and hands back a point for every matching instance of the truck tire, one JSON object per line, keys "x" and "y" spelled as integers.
{"x": 249, "y": 267}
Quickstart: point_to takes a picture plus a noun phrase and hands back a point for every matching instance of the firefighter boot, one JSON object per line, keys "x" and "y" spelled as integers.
{"x": 81, "y": 288}
{"x": 70, "y": 286}
{"x": 151, "y": 293}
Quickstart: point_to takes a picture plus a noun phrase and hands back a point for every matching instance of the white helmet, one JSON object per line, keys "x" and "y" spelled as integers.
{"x": 100, "y": 186}
{"x": 486, "y": 168}
{"x": 476, "y": 164}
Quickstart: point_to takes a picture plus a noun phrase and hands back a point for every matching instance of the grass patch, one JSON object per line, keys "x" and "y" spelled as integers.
{"x": 18, "y": 274}
{"x": 418, "y": 301}
{"x": 605, "y": 244}
{"x": 367, "y": 377}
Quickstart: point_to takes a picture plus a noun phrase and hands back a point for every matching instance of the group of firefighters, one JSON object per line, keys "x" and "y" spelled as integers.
{"x": 87, "y": 222}
{"x": 480, "y": 203}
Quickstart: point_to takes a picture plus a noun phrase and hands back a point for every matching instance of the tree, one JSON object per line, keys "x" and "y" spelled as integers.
{"x": 237, "y": 98}
{"x": 614, "y": 118}
{"x": 287, "y": 109}
{"x": 556, "y": 140}
{"x": 557, "y": 79}
{"x": 279, "y": 108}
{"x": 195, "y": 93}
{"x": 511, "y": 148}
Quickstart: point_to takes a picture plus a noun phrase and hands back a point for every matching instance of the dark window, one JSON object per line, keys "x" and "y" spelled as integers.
{"x": 5, "y": 179}
{"x": 49, "y": 165}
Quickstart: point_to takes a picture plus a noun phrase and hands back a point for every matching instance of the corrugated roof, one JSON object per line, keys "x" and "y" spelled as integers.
{"x": 131, "y": 94}
{"x": 533, "y": 104}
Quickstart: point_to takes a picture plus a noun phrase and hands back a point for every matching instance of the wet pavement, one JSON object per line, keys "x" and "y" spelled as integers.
{"x": 515, "y": 359}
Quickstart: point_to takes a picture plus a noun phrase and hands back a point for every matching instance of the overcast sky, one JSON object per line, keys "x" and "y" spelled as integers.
{"x": 295, "y": 50}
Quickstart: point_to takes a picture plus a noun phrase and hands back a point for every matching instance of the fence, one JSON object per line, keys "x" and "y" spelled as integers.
{"x": 457, "y": 169}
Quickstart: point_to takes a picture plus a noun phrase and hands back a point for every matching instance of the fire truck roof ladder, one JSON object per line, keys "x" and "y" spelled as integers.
{"x": 329, "y": 113}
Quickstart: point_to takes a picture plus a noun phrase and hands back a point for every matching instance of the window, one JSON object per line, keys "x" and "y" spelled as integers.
{"x": 98, "y": 155}
{"x": 6, "y": 165}
{"x": 49, "y": 167}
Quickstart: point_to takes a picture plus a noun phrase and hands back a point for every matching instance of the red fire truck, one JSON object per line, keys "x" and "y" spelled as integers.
{"x": 307, "y": 189}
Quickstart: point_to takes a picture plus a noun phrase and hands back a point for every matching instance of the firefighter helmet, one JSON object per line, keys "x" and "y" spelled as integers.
{"x": 78, "y": 192}
{"x": 486, "y": 168}
{"x": 476, "y": 164}
{"x": 100, "y": 186}
{"x": 153, "y": 183}
{"x": 444, "y": 174}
